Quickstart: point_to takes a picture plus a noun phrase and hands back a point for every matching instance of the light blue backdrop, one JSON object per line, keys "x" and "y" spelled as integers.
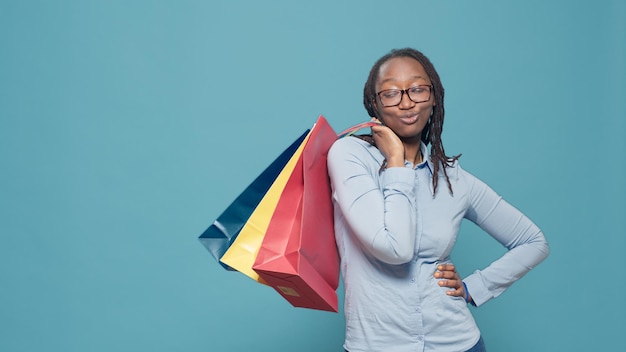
{"x": 128, "y": 126}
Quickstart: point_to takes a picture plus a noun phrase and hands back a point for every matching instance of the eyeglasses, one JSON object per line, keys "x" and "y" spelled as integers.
{"x": 393, "y": 97}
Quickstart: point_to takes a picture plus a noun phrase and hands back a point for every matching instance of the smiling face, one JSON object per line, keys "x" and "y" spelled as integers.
{"x": 408, "y": 118}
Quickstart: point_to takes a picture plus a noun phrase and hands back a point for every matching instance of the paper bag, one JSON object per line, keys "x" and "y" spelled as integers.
{"x": 298, "y": 256}
{"x": 218, "y": 237}
{"x": 242, "y": 253}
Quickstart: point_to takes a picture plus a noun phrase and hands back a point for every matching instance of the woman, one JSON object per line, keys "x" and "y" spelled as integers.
{"x": 397, "y": 214}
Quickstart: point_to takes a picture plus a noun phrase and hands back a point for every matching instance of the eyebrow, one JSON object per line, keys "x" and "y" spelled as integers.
{"x": 393, "y": 79}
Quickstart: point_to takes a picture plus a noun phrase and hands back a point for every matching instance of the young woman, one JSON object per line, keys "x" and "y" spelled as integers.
{"x": 398, "y": 209}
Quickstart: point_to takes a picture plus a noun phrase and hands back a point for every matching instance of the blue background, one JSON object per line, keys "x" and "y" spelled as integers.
{"x": 127, "y": 127}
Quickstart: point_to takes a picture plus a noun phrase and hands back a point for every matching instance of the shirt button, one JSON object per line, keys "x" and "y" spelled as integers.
{"x": 413, "y": 280}
{"x": 420, "y": 338}
{"x": 418, "y": 309}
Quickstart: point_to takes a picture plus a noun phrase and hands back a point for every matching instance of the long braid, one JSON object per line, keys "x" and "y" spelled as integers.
{"x": 433, "y": 130}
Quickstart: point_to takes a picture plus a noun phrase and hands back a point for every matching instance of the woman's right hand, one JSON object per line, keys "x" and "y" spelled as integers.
{"x": 389, "y": 145}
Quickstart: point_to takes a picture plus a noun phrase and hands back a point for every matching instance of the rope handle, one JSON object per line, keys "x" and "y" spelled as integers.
{"x": 351, "y": 130}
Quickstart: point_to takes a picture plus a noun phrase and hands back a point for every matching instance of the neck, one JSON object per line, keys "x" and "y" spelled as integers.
{"x": 413, "y": 153}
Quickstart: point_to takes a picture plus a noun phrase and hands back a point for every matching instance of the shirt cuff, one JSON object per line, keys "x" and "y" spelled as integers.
{"x": 477, "y": 289}
{"x": 398, "y": 176}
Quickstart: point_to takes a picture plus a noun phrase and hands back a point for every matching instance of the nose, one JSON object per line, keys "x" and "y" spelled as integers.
{"x": 405, "y": 101}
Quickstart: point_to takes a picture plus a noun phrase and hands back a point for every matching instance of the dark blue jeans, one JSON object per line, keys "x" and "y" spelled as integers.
{"x": 478, "y": 347}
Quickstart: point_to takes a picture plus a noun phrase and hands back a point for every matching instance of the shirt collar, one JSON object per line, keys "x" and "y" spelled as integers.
{"x": 425, "y": 158}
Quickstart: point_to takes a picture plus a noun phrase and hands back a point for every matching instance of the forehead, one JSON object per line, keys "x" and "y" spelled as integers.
{"x": 401, "y": 69}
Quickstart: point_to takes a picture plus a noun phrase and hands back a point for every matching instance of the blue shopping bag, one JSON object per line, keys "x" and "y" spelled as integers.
{"x": 218, "y": 237}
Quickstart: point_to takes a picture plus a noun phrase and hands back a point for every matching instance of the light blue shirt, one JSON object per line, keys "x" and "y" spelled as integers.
{"x": 392, "y": 232}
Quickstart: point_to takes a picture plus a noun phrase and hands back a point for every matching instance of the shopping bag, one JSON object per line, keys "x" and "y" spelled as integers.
{"x": 298, "y": 256}
{"x": 242, "y": 252}
{"x": 219, "y": 236}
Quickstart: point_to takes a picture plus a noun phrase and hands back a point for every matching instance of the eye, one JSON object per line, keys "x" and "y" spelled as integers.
{"x": 390, "y": 93}
{"x": 418, "y": 89}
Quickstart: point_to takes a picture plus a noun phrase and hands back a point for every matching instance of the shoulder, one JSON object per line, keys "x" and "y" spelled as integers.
{"x": 350, "y": 146}
{"x": 459, "y": 173}
{"x": 453, "y": 170}
{"x": 468, "y": 180}
{"x": 349, "y": 152}
{"x": 460, "y": 178}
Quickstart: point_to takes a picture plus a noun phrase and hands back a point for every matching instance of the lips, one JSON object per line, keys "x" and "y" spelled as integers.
{"x": 409, "y": 119}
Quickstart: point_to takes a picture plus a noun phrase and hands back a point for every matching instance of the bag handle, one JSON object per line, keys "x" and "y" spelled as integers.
{"x": 351, "y": 130}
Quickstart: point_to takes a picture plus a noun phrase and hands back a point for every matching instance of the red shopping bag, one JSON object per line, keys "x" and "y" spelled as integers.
{"x": 298, "y": 256}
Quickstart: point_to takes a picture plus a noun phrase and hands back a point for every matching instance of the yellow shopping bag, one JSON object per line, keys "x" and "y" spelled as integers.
{"x": 243, "y": 251}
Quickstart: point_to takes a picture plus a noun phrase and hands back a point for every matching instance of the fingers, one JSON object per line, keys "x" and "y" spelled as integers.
{"x": 455, "y": 284}
{"x": 381, "y": 130}
{"x": 458, "y": 292}
{"x": 450, "y": 278}
{"x": 389, "y": 145}
{"x": 446, "y": 267}
{"x": 446, "y": 271}
{"x": 456, "y": 287}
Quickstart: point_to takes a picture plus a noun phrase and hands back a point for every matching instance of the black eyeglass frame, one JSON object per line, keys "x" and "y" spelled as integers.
{"x": 402, "y": 91}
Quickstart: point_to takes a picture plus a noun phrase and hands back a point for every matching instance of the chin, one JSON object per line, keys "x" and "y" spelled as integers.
{"x": 407, "y": 133}
{"x": 410, "y": 136}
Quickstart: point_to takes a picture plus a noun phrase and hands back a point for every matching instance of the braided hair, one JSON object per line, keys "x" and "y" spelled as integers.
{"x": 432, "y": 131}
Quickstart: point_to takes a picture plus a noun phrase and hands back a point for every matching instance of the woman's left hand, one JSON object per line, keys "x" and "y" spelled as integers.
{"x": 450, "y": 278}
